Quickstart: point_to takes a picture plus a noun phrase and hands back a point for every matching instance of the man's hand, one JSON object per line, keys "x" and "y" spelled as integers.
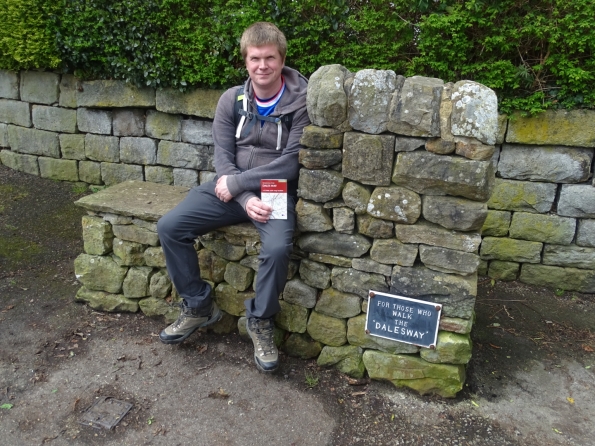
{"x": 257, "y": 210}
{"x": 221, "y": 189}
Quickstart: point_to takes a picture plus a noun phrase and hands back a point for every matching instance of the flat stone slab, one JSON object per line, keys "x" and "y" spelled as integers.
{"x": 147, "y": 201}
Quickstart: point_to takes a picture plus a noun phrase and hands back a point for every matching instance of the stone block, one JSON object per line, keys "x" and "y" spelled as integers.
{"x": 22, "y": 163}
{"x": 330, "y": 259}
{"x": 482, "y": 269}
{"x": 431, "y": 174}
{"x": 502, "y": 127}
{"x": 154, "y": 256}
{"x": 356, "y": 335}
{"x": 231, "y": 300}
{"x": 186, "y": 177}
{"x": 159, "y": 174}
{"x": 293, "y": 318}
{"x": 296, "y": 292}
{"x": 501, "y": 270}
{"x": 393, "y": 252}
{"x": 405, "y": 144}
{"x": 415, "y": 107}
{"x": 473, "y": 149}
{"x": 160, "y": 285}
{"x": 370, "y": 266}
{"x": 496, "y": 224}
{"x": 585, "y": 233}
{"x": 69, "y": 86}
{"x": 197, "y": 132}
{"x": 525, "y": 196}
{"x": 569, "y": 256}
{"x": 163, "y": 126}
{"x": 456, "y": 293}
{"x": 315, "y": 274}
{"x": 3, "y": 135}
{"x": 72, "y": 146}
{"x": 434, "y": 235}
{"x": 99, "y": 273}
{"x": 440, "y": 146}
{"x": 188, "y": 156}
{"x": 312, "y": 217}
{"x": 153, "y": 307}
{"x": 395, "y": 203}
{"x": 347, "y": 359}
{"x": 112, "y": 173}
{"x": 90, "y": 172}
{"x": 94, "y": 121}
{"x": 136, "y": 283}
{"x": 114, "y": 93}
{"x": 336, "y": 304}
{"x": 344, "y": 220}
{"x": 225, "y": 249}
{"x": 212, "y": 266}
{"x": 15, "y": 112}
{"x": 334, "y": 243}
{"x": 553, "y": 127}
{"x": 370, "y": 99}
{"x": 510, "y": 250}
{"x": 316, "y": 137}
{"x": 555, "y": 277}
{"x": 135, "y": 233}
{"x": 319, "y": 185}
{"x": 542, "y": 228}
{"x": 424, "y": 377}
{"x": 356, "y": 197}
{"x": 454, "y": 213}
{"x": 445, "y": 112}
{"x": 327, "y": 100}
{"x": 550, "y": 164}
{"x": 199, "y": 102}
{"x": 205, "y": 177}
{"x": 448, "y": 260}
{"x": 374, "y": 227}
{"x": 39, "y": 87}
{"x": 102, "y": 301}
{"x": 58, "y": 169}
{"x": 319, "y": 159}
{"x": 349, "y": 280}
{"x": 102, "y": 148}
{"x": 129, "y": 253}
{"x": 33, "y": 141}
{"x": 97, "y": 235}
{"x": 368, "y": 158}
{"x": 129, "y": 122}
{"x": 475, "y": 112}
{"x": 328, "y": 330}
{"x": 576, "y": 200}
{"x": 55, "y": 119}
{"x": 301, "y": 346}
{"x": 9, "y": 84}
{"x": 138, "y": 150}
{"x": 455, "y": 325}
{"x": 238, "y": 276}
{"x": 451, "y": 348}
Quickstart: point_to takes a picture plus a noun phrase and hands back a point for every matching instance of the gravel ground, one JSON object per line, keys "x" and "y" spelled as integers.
{"x": 530, "y": 381}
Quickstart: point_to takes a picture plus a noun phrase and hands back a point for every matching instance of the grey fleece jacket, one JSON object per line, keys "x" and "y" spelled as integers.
{"x": 254, "y": 157}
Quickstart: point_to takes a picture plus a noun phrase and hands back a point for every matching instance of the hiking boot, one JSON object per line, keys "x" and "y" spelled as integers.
{"x": 188, "y": 322}
{"x": 266, "y": 355}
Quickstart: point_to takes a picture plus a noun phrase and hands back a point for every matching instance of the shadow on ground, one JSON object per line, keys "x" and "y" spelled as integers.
{"x": 530, "y": 381}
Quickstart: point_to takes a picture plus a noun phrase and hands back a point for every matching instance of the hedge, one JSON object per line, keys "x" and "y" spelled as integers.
{"x": 536, "y": 54}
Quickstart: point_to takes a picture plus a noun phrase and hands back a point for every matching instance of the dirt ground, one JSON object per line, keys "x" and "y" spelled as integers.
{"x": 530, "y": 381}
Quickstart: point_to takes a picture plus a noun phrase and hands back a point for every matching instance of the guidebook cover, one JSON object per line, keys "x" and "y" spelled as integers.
{"x": 274, "y": 193}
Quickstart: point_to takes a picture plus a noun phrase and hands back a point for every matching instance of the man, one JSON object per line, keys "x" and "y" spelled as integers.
{"x": 251, "y": 144}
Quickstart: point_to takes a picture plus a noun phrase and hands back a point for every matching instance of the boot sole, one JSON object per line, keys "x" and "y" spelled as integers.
{"x": 263, "y": 370}
{"x": 216, "y": 318}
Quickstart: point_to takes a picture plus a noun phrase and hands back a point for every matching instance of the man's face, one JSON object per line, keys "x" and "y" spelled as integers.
{"x": 264, "y": 66}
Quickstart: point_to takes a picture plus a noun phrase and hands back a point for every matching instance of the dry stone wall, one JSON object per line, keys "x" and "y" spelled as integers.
{"x": 397, "y": 184}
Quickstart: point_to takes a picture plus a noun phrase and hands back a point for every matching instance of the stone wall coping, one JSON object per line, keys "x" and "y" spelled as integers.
{"x": 147, "y": 201}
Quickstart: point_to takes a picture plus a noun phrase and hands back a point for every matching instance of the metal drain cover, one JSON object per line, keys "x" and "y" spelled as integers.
{"x": 106, "y": 412}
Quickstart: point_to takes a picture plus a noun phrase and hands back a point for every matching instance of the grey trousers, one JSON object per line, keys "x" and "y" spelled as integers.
{"x": 201, "y": 212}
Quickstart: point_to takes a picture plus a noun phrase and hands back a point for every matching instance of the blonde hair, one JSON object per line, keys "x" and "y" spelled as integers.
{"x": 263, "y": 33}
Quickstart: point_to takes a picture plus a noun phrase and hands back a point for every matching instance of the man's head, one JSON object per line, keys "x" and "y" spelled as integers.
{"x": 263, "y": 33}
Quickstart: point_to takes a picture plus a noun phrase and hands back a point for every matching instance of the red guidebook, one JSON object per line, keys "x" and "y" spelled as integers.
{"x": 274, "y": 193}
